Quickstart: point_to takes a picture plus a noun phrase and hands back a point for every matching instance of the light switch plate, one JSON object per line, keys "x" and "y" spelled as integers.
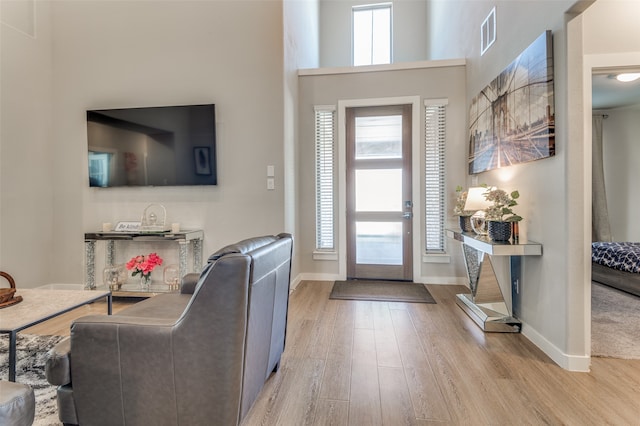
{"x": 271, "y": 171}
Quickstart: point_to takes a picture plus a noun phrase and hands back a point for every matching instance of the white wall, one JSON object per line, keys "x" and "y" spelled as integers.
{"x": 409, "y": 31}
{"x": 621, "y": 153}
{"x": 26, "y": 146}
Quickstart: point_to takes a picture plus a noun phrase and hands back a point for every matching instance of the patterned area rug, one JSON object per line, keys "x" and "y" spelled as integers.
{"x": 31, "y": 356}
{"x": 381, "y": 291}
{"x": 615, "y": 323}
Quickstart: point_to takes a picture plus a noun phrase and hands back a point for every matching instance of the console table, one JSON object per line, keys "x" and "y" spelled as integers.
{"x": 486, "y": 304}
{"x": 183, "y": 238}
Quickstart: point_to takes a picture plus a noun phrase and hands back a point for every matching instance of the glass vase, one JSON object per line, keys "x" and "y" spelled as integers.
{"x": 145, "y": 281}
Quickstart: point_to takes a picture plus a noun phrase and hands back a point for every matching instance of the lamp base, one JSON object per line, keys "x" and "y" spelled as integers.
{"x": 479, "y": 223}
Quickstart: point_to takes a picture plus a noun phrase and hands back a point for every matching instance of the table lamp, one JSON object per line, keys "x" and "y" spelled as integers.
{"x": 476, "y": 201}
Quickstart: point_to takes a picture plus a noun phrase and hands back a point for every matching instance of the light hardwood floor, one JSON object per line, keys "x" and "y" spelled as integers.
{"x": 375, "y": 363}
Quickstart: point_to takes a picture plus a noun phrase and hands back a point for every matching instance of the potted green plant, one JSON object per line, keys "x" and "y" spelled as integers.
{"x": 500, "y": 214}
{"x": 464, "y": 216}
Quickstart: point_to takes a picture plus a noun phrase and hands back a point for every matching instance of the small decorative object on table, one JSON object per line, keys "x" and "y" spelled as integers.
{"x": 7, "y": 295}
{"x": 500, "y": 215}
{"x": 151, "y": 222}
{"x": 114, "y": 276}
{"x": 476, "y": 203}
{"x": 464, "y": 216}
{"x": 143, "y": 265}
{"x": 172, "y": 277}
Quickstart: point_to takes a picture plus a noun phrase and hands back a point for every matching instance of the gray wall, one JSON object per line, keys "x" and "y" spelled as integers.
{"x": 555, "y": 193}
{"x": 611, "y": 49}
{"x": 104, "y": 54}
{"x": 301, "y": 50}
{"x": 327, "y": 89}
{"x": 542, "y": 184}
{"x": 621, "y": 153}
{"x": 26, "y": 148}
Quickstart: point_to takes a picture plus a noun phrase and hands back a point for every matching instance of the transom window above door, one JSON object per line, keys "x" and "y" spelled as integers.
{"x": 371, "y": 37}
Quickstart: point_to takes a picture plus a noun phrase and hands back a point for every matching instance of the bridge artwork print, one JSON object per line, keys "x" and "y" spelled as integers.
{"x": 512, "y": 120}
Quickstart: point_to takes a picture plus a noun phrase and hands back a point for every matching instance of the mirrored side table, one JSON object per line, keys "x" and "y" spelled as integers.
{"x": 486, "y": 303}
{"x": 184, "y": 239}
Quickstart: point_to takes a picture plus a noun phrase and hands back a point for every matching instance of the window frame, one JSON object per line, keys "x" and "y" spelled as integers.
{"x": 371, "y": 8}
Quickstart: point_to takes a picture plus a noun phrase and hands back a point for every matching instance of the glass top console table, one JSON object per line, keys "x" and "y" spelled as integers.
{"x": 184, "y": 239}
{"x": 486, "y": 303}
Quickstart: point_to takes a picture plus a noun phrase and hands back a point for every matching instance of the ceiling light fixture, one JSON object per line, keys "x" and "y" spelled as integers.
{"x": 628, "y": 77}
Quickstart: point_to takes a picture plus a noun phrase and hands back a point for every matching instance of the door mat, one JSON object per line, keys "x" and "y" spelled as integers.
{"x": 381, "y": 291}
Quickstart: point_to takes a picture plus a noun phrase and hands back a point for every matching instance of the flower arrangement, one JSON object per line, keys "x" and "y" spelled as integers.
{"x": 500, "y": 210}
{"x": 461, "y": 199}
{"x": 143, "y": 265}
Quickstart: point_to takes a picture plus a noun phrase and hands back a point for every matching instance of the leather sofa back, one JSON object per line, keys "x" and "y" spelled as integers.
{"x": 268, "y": 304}
{"x": 137, "y": 370}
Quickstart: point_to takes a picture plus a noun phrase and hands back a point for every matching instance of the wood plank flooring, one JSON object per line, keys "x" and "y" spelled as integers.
{"x": 377, "y": 363}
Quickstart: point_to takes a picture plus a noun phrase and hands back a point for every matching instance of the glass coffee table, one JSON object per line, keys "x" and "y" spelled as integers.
{"x": 41, "y": 305}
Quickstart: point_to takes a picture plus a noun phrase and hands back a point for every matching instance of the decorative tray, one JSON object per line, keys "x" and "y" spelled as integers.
{"x": 12, "y": 301}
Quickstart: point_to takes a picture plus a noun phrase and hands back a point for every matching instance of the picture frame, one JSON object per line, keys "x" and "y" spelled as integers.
{"x": 202, "y": 160}
{"x": 512, "y": 120}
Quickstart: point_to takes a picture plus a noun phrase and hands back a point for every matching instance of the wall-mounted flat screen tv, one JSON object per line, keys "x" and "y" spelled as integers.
{"x": 153, "y": 146}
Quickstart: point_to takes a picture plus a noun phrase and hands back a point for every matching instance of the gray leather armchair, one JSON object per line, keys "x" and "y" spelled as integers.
{"x": 182, "y": 359}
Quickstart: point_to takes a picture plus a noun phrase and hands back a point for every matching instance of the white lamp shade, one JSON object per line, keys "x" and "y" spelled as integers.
{"x": 475, "y": 199}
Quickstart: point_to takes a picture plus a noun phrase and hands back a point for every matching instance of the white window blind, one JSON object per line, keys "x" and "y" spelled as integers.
{"x": 435, "y": 120}
{"x": 325, "y": 148}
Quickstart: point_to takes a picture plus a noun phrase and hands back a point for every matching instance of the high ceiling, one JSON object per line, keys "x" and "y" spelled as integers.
{"x": 609, "y": 93}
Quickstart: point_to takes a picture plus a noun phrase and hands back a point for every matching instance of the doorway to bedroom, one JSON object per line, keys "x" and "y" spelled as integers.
{"x": 615, "y": 230}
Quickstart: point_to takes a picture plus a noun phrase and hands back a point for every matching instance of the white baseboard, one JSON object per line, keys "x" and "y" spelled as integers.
{"x": 581, "y": 363}
{"x": 313, "y": 277}
{"x": 443, "y": 280}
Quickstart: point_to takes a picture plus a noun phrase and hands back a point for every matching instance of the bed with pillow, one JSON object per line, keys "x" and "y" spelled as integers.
{"x": 616, "y": 265}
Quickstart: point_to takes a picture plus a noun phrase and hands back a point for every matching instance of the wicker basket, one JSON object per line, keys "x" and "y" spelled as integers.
{"x": 6, "y": 294}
